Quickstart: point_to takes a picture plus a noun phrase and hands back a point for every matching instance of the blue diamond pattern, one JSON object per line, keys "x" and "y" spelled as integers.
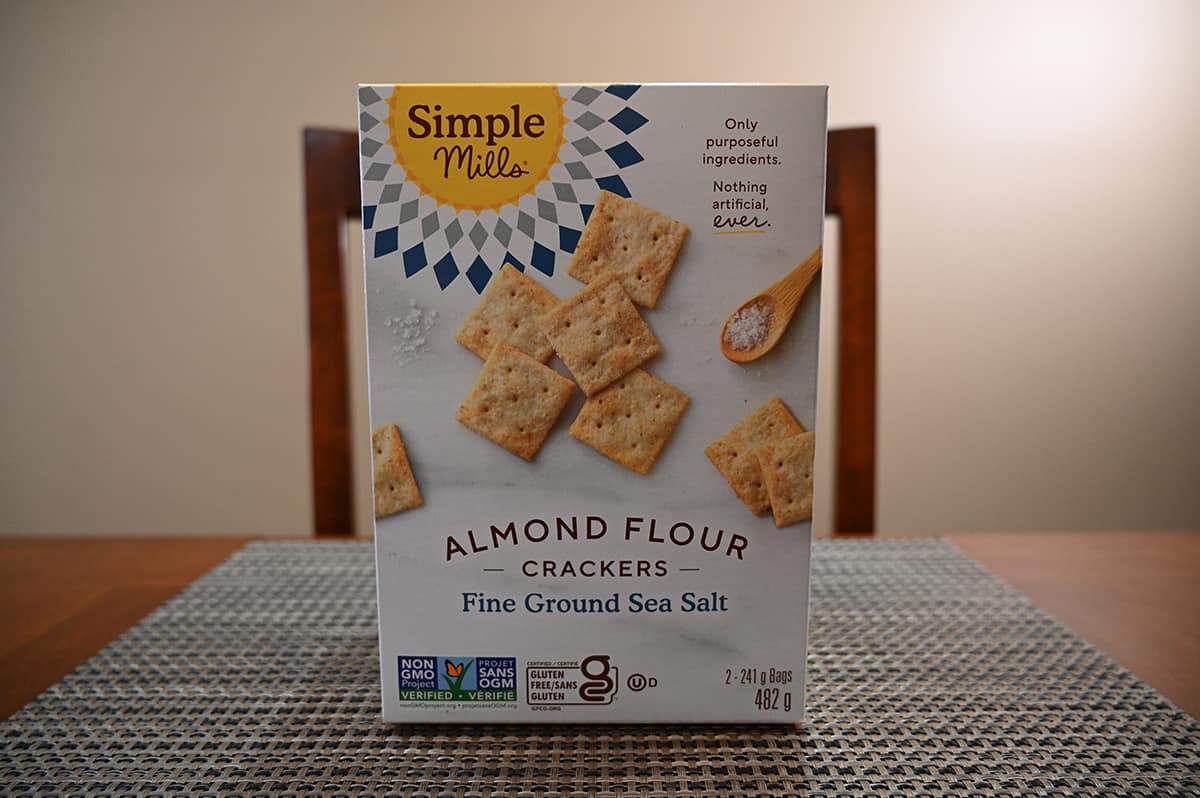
{"x": 568, "y": 239}
{"x": 624, "y": 154}
{"x": 386, "y": 241}
{"x": 542, "y": 260}
{"x": 615, "y": 184}
{"x": 479, "y": 274}
{"x": 445, "y": 270}
{"x": 414, "y": 260}
{"x": 628, "y": 120}
{"x": 576, "y": 178}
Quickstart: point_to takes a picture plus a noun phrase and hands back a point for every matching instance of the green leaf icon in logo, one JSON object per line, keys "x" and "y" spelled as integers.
{"x": 454, "y": 675}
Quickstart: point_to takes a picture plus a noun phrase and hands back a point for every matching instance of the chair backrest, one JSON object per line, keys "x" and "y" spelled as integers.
{"x": 331, "y": 197}
{"x": 850, "y": 195}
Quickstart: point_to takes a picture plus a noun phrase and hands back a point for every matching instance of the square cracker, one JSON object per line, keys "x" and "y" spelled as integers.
{"x": 638, "y": 243}
{"x": 395, "y": 486}
{"x": 599, "y": 334}
{"x": 788, "y": 473}
{"x": 515, "y": 401}
{"x": 733, "y": 452}
{"x": 508, "y": 312}
{"x": 631, "y": 420}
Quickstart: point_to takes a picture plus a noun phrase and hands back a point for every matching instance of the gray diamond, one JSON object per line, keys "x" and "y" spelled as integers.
{"x": 586, "y": 146}
{"x": 376, "y": 171}
{"x": 408, "y": 211}
{"x": 546, "y": 211}
{"x": 454, "y": 233}
{"x": 564, "y": 193}
{"x": 370, "y": 147}
{"x": 390, "y": 193}
{"x": 586, "y": 95}
{"x": 502, "y": 232}
{"x": 478, "y": 235}
{"x": 366, "y": 121}
{"x": 525, "y": 223}
{"x": 429, "y": 225}
{"x": 577, "y": 170}
{"x": 367, "y": 95}
{"x": 587, "y": 120}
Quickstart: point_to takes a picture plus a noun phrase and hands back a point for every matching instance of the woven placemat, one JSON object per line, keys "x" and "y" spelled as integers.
{"x": 927, "y": 677}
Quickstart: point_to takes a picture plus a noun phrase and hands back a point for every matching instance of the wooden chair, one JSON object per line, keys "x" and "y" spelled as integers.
{"x": 331, "y": 194}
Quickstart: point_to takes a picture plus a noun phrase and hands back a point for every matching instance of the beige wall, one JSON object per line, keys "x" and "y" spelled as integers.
{"x": 1039, "y": 244}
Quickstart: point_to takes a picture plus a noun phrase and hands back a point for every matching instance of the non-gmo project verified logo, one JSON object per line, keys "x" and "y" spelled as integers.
{"x": 465, "y": 679}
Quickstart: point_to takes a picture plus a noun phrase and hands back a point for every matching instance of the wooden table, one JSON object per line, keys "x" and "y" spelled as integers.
{"x": 1135, "y": 595}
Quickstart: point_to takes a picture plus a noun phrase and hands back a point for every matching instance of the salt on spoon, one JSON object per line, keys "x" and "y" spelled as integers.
{"x": 757, "y": 325}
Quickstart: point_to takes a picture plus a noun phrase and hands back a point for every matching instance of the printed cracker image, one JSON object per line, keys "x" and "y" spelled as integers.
{"x": 395, "y": 486}
{"x": 631, "y": 421}
{"x": 508, "y": 312}
{"x": 599, "y": 334}
{"x": 733, "y": 452}
{"x": 787, "y": 467}
{"x": 515, "y": 401}
{"x": 638, "y": 243}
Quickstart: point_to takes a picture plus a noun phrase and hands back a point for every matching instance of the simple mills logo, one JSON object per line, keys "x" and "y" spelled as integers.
{"x": 475, "y": 147}
{"x": 459, "y": 180}
{"x": 465, "y": 679}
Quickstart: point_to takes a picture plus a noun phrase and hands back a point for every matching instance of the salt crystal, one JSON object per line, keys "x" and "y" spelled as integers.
{"x": 408, "y": 332}
{"x": 748, "y": 327}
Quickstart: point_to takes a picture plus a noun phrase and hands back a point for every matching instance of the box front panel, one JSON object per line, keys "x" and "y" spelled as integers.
{"x": 570, "y": 586}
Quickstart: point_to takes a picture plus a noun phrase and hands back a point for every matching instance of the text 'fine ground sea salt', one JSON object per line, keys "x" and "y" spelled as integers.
{"x": 748, "y": 327}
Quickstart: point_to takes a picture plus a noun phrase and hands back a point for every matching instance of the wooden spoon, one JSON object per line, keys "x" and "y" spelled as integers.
{"x": 778, "y": 303}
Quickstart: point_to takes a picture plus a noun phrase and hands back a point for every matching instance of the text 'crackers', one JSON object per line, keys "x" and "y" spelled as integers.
{"x": 507, "y": 312}
{"x": 631, "y": 420}
{"x": 637, "y": 243}
{"x": 515, "y": 401}
{"x": 787, "y": 467}
{"x": 733, "y": 452}
{"x": 599, "y": 334}
{"x": 395, "y": 486}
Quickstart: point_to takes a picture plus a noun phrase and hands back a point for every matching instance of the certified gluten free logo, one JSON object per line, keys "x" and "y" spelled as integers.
{"x": 592, "y": 681}
{"x": 476, "y": 147}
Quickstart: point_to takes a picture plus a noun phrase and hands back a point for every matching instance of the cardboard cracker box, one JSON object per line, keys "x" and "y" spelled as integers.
{"x": 584, "y": 510}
